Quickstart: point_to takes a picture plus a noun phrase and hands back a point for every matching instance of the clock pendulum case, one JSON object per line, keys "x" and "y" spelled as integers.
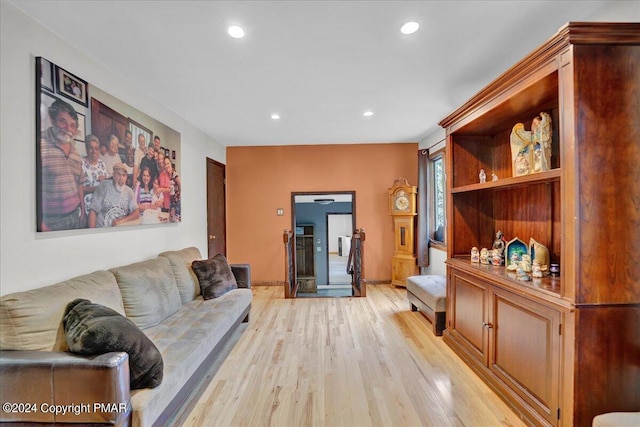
{"x": 402, "y": 207}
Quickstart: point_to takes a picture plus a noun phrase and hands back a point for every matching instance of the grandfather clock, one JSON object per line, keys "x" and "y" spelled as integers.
{"x": 402, "y": 207}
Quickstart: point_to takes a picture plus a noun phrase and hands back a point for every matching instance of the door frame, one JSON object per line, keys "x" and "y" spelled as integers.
{"x": 224, "y": 203}
{"x": 352, "y": 193}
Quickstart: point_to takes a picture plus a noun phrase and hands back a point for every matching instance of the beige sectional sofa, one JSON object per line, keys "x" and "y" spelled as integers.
{"x": 45, "y": 383}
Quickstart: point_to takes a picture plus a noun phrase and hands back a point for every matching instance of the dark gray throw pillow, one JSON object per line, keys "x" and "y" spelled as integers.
{"x": 215, "y": 276}
{"x": 95, "y": 329}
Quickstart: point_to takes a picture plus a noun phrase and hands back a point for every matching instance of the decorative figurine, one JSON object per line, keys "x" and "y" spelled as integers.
{"x": 520, "y": 150}
{"x": 555, "y": 270}
{"x": 536, "y": 271}
{"x": 494, "y": 177}
{"x": 514, "y": 262}
{"x": 499, "y": 244}
{"x": 539, "y": 253}
{"x": 541, "y": 142}
{"x": 484, "y": 256}
{"x": 482, "y": 176}
{"x": 496, "y": 257}
{"x": 525, "y": 262}
{"x": 522, "y": 275}
{"x": 475, "y": 255}
{"x": 518, "y": 248}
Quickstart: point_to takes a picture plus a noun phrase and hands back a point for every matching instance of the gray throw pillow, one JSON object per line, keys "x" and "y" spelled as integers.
{"x": 95, "y": 329}
{"x": 215, "y": 276}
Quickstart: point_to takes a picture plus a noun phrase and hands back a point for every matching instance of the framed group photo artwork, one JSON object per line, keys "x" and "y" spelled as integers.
{"x": 97, "y": 167}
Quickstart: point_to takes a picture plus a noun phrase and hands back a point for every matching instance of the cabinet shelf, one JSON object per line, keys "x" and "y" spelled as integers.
{"x": 509, "y": 183}
{"x": 546, "y": 288}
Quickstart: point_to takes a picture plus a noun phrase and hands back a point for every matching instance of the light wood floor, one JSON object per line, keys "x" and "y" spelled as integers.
{"x": 344, "y": 362}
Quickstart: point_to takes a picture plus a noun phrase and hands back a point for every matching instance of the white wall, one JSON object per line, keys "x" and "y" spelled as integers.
{"x": 29, "y": 259}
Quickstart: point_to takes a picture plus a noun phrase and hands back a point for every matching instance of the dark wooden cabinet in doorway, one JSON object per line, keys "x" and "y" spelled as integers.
{"x": 216, "y": 208}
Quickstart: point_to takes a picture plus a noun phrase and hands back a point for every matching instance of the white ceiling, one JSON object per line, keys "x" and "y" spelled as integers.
{"x": 319, "y": 64}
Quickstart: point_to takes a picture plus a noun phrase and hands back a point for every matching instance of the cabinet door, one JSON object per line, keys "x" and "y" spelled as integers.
{"x": 467, "y": 314}
{"x": 524, "y": 350}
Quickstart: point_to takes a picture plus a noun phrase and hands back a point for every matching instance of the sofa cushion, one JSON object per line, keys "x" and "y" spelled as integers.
{"x": 186, "y": 279}
{"x": 185, "y": 340}
{"x": 215, "y": 276}
{"x": 32, "y": 320}
{"x": 149, "y": 291}
{"x": 92, "y": 329}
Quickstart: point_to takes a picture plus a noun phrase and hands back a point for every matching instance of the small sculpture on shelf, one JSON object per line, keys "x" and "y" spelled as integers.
{"x": 496, "y": 257}
{"x": 525, "y": 262}
{"x": 520, "y": 150}
{"x": 514, "y": 262}
{"x": 498, "y": 246}
{"x": 539, "y": 253}
{"x": 484, "y": 256}
{"x": 515, "y": 249}
{"x": 531, "y": 150}
{"x": 475, "y": 255}
{"x": 482, "y": 176}
{"x": 541, "y": 141}
{"x": 536, "y": 270}
{"x": 494, "y": 177}
{"x": 522, "y": 275}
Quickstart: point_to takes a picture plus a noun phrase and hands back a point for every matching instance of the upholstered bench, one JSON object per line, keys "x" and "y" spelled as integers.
{"x": 428, "y": 294}
{"x": 617, "y": 419}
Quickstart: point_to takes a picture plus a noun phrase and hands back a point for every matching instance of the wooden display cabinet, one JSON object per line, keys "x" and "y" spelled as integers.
{"x": 558, "y": 350}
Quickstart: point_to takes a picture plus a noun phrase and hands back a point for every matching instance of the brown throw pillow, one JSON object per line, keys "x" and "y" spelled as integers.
{"x": 215, "y": 276}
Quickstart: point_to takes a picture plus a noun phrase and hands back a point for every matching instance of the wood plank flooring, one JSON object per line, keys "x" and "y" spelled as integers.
{"x": 344, "y": 362}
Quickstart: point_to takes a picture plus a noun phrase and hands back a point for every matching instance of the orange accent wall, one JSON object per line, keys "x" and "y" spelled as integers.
{"x": 261, "y": 179}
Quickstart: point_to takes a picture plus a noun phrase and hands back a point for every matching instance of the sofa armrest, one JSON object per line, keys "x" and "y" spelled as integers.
{"x": 242, "y": 273}
{"x": 59, "y": 387}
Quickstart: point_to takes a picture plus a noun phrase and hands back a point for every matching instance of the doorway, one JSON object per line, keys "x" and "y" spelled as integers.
{"x": 339, "y": 231}
{"x": 216, "y": 208}
{"x": 310, "y": 222}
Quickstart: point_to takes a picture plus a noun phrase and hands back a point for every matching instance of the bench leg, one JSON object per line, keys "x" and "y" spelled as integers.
{"x": 413, "y": 307}
{"x": 439, "y": 323}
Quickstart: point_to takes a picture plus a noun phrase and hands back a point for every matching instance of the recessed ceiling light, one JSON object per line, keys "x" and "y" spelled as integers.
{"x": 368, "y": 113}
{"x": 409, "y": 28}
{"x": 275, "y": 116}
{"x": 235, "y": 32}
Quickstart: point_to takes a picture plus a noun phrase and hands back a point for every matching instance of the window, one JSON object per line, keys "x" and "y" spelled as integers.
{"x": 438, "y": 206}
{"x": 432, "y": 208}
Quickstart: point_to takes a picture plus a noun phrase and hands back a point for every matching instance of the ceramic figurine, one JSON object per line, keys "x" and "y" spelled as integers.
{"x": 539, "y": 253}
{"x": 475, "y": 255}
{"x": 525, "y": 262}
{"x": 514, "y": 250}
{"x": 522, "y": 275}
{"x": 494, "y": 177}
{"x": 514, "y": 262}
{"x": 482, "y": 176}
{"x": 499, "y": 244}
{"x": 484, "y": 256}
{"x": 520, "y": 150}
{"x": 536, "y": 271}
{"x": 496, "y": 257}
{"x": 541, "y": 142}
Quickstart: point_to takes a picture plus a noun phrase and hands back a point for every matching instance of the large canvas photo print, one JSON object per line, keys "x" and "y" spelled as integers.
{"x": 100, "y": 162}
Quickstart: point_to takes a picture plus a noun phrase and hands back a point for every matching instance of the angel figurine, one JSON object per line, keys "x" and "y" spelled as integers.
{"x": 520, "y": 150}
{"x": 541, "y": 142}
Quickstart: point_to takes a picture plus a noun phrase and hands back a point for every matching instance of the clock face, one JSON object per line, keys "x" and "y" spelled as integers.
{"x": 402, "y": 203}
